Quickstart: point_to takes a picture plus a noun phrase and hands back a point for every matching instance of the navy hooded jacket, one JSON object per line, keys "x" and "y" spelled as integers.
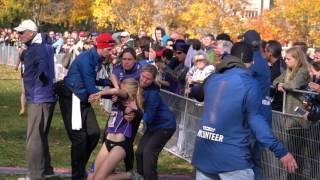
{"x": 157, "y": 114}
{"x": 260, "y": 72}
{"x": 39, "y": 73}
{"x": 232, "y": 101}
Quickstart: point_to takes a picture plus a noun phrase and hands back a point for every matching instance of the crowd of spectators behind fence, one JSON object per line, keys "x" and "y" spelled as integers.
{"x": 183, "y": 63}
{"x": 174, "y": 55}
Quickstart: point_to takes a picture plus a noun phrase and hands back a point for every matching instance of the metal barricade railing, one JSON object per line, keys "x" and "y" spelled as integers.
{"x": 300, "y": 137}
{"x": 294, "y": 90}
{"x": 8, "y": 55}
{"x": 284, "y": 102}
{"x": 188, "y": 114}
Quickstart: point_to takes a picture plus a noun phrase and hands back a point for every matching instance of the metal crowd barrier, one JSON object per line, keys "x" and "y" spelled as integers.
{"x": 8, "y": 55}
{"x": 300, "y": 137}
{"x": 188, "y": 113}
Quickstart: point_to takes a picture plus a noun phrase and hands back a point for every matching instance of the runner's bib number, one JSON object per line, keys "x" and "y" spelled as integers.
{"x": 112, "y": 119}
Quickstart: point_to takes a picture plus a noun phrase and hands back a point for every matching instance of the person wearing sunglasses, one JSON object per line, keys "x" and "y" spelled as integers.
{"x": 200, "y": 71}
{"x": 38, "y": 81}
{"x": 178, "y": 71}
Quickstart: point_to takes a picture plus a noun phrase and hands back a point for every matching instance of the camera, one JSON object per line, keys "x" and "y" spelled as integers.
{"x": 299, "y": 111}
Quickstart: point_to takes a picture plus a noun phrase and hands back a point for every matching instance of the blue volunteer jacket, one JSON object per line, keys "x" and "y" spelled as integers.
{"x": 261, "y": 72}
{"x": 82, "y": 74}
{"x": 39, "y": 73}
{"x": 157, "y": 114}
{"x": 231, "y": 114}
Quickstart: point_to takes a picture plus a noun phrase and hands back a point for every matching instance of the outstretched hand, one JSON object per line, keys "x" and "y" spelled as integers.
{"x": 289, "y": 163}
{"x": 94, "y": 97}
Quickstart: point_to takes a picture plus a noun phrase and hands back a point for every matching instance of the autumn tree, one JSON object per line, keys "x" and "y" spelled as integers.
{"x": 287, "y": 20}
{"x": 214, "y": 16}
{"x": 80, "y": 13}
{"x": 11, "y": 12}
{"x": 302, "y": 17}
{"x": 268, "y": 25}
{"x": 123, "y": 14}
{"x": 166, "y": 13}
{"x": 296, "y": 20}
{"x": 67, "y": 13}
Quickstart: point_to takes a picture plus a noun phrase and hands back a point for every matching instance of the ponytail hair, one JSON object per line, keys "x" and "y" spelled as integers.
{"x": 139, "y": 99}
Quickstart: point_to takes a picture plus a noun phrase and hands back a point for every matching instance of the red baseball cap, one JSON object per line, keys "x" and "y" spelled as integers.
{"x": 82, "y": 34}
{"x": 104, "y": 40}
{"x": 160, "y": 53}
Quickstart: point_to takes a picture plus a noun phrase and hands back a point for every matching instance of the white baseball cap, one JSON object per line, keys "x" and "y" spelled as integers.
{"x": 124, "y": 34}
{"x": 27, "y": 25}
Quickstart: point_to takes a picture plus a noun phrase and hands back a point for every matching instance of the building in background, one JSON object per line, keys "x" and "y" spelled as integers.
{"x": 255, "y": 7}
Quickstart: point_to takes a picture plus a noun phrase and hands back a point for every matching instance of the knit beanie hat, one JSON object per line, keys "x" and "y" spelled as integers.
{"x": 181, "y": 45}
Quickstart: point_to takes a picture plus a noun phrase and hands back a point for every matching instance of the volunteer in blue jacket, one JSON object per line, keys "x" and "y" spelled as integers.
{"x": 38, "y": 79}
{"x": 79, "y": 83}
{"x": 260, "y": 72}
{"x": 160, "y": 124}
{"x": 222, "y": 148}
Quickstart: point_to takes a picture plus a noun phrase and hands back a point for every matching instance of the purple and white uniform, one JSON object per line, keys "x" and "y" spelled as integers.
{"x": 123, "y": 74}
{"x": 117, "y": 124}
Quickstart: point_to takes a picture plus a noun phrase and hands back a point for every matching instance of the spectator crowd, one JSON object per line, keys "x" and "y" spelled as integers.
{"x": 127, "y": 72}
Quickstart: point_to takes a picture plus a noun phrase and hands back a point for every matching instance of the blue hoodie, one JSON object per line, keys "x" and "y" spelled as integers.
{"x": 39, "y": 73}
{"x": 228, "y": 121}
{"x": 261, "y": 72}
{"x": 157, "y": 114}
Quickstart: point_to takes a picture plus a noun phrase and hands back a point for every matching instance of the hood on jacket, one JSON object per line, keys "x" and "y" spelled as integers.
{"x": 229, "y": 62}
{"x": 46, "y": 38}
{"x": 252, "y": 37}
{"x": 165, "y": 39}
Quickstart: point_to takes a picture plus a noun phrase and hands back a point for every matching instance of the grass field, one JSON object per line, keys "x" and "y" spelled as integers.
{"x": 13, "y": 132}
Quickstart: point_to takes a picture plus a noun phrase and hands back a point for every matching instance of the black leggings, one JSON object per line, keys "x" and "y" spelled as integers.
{"x": 129, "y": 159}
{"x": 150, "y": 146}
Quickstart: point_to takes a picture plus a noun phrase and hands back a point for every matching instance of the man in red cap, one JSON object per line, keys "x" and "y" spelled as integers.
{"x": 78, "y": 115}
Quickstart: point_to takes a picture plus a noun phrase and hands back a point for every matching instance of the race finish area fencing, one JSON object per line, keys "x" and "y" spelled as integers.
{"x": 300, "y": 137}
{"x": 9, "y": 55}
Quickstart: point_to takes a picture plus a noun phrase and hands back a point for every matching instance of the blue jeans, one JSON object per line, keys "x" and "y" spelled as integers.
{"x": 245, "y": 174}
{"x": 256, "y": 156}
